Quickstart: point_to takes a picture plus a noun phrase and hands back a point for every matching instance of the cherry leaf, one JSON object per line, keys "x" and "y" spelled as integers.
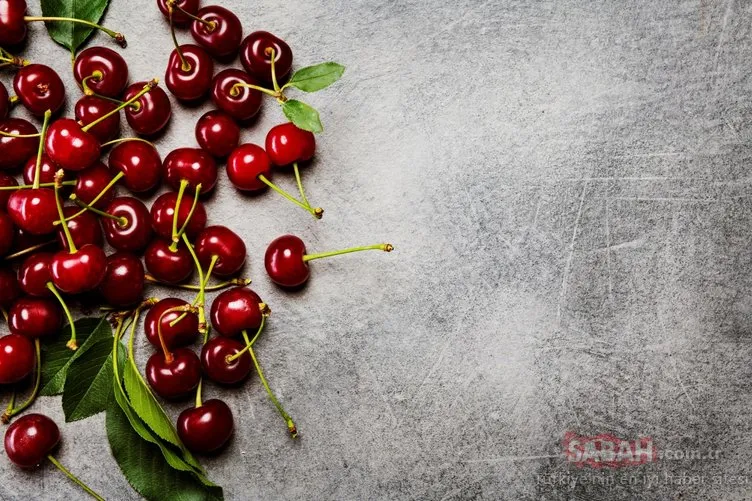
{"x": 317, "y": 77}
{"x": 67, "y": 34}
{"x": 89, "y": 383}
{"x": 302, "y": 115}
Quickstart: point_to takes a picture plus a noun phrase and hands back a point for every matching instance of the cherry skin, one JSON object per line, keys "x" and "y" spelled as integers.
{"x": 34, "y": 210}
{"x": 140, "y": 164}
{"x": 47, "y": 170}
{"x": 175, "y": 378}
{"x": 192, "y": 83}
{"x": 30, "y": 439}
{"x": 244, "y": 166}
{"x": 162, "y": 211}
{"x": 242, "y": 103}
{"x": 193, "y": 165}
{"x": 85, "y": 229}
{"x": 109, "y": 63}
{"x": 257, "y": 61}
{"x": 217, "y": 133}
{"x": 70, "y": 147}
{"x": 91, "y": 182}
{"x": 39, "y": 88}
{"x": 7, "y": 233}
{"x": 123, "y": 283}
{"x": 181, "y": 334}
{"x": 4, "y": 102}
{"x": 90, "y": 108}
{"x": 35, "y": 317}
{"x": 15, "y": 151}
{"x": 207, "y": 428}
{"x": 34, "y": 274}
{"x": 16, "y": 358}
{"x": 178, "y": 17}
{"x": 214, "y": 361}
{"x": 9, "y": 287}
{"x": 80, "y": 271}
{"x": 133, "y": 235}
{"x": 166, "y": 265}
{"x": 6, "y": 180}
{"x": 236, "y": 310}
{"x": 12, "y": 23}
{"x": 284, "y": 261}
{"x": 223, "y": 38}
{"x": 224, "y": 243}
{"x": 150, "y": 113}
{"x": 287, "y": 144}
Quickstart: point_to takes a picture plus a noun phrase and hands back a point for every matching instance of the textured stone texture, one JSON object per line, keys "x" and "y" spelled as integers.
{"x": 566, "y": 185}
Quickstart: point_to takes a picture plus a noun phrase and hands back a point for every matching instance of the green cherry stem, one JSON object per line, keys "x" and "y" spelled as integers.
{"x": 119, "y": 37}
{"x": 199, "y": 403}
{"x": 176, "y": 211}
{"x": 270, "y": 52}
{"x": 181, "y": 231}
{"x": 211, "y": 25}
{"x": 126, "y": 139}
{"x": 200, "y": 299}
{"x": 71, "y": 344}
{"x": 317, "y": 212}
{"x": 96, "y": 199}
{"x": 122, "y": 221}
{"x": 75, "y": 478}
{"x": 184, "y": 64}
{"x": 11, "y": 403}
{"x": 209, "y": 270}
{"x": 300, "y": 184}
{"x": 209, "y": 288}
{"x": 8, "y": 414}
{"x": 149, "y": 86}
{"x": 6, "y": 134}
{"x": 382, "y": 247}
{"x": 95, "y": 75}
{"x": 28, "y": 250}
{"x": 9, "y": 59}
{"x": 231, "y": 358}
{"x": 235, "y": 90}
{"x": 40, "y": 150}
{"x": 71, "y": 245}
{"x": 41, "y": 185}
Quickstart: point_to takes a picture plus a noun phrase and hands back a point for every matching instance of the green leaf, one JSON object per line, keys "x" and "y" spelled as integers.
{"x": 57, "y": 358}
{"x": 317, "y": 77}
{"x": 89, "y": 383}
{"x": 68, "y": 34}
{"x": 302, "y": 115}
{"x": 145, "y": 468}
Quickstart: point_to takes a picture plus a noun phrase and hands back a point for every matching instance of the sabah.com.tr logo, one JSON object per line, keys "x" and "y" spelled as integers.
{"x": 608, "y": 451}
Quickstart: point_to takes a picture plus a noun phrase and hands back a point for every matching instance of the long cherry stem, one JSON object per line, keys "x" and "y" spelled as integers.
{"x": 209, "y": 270}
{"x": 176, "y": 212}
{"x": 231, "y": 358}
{"x": 165, "y": 349}
{"x": 149, "y": 86}
{"x": 41, "y": 185}
{"x": 235, "y": 90}
{"x": 71, "y": 476}
{"x": 208, "y": 288}
{"x": 5, "y": 418}
{"x": 119, "y": 37}
{"x": 71, "y": 245}
{"x": 95, "y": 75}
{"x": 200, "y": 299}
{"x": 72, "y": 344}
{"x": 12, "y": 60}
{"x": 184, "y": 64}
{"x": 28, "y": 250}
{"x": 182, "y": 230}
{"x": 96, "y": 199}
{"x": 7, "y": 134}
{"x": 127, "y": 139}
{"x": 122, "y": 221}
{"x": 40, "y": 150}
{"x": 212, "y": 25}
{"x": 300, "y": 184}
{"x": 382, "y": 247}
{"x": 317, "y": 212}
{"x": 199, "y": 403}
{"x": 270, "y": 52}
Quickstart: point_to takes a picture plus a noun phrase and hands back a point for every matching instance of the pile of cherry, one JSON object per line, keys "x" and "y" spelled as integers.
{"x": 68, "y": 200}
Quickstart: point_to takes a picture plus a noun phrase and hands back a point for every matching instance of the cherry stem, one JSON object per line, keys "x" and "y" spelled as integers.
{"x": 165, "y": 349}
{"x": 135, "y": 106}
{"x": 72, "y": 341}
{"x": 317, "y": 212}
{"x": 209, "y": 288}
{"x": 96, "y": 199}
{"x": 126, "y": 139}
{"x": 73, "y": 477}
{"x": 11, "y": 60}
{"x": 119, "y": 38}
{"x": 13, "y": 100}
{"x": 176, "y": 212}
{"x": 182, "y": 230}
{"x": 270, "y": 52}
{"x": 6, "y": 134}
{"x": 235, "y": 90}
{"x": 41, "y": 185}
{"x": 122, "y": 221}
{"x": 71, "y": 245}
{"x": 96, "y": 75}
{"x": 149, "y": 86}
{"x": 212, "y": 25}
{"x": 28, "y": 250}
{"x": 184, "y": 65}
{"x": 40, "y": 150}
{"x": 199, "y": 302}
{"x": 231, "y": 358}
{"x": 199, "y": 403}
{"x": 300, "y": 184}
{"x": 209, "y": 271}
{"x": 5, "y": 418}
{"x": 382, "y": 247}
{"x": 12, "y": 402}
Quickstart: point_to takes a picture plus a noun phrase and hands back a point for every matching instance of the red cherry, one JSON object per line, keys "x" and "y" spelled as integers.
{"x": 284, "y": 261}
{"x": 139, "y": 162}
{"x": 70, "y": 147}
{"x": 236, "y": 310}
{"x": 167, "y": 265}
{"x": 9, "y": 287}
{"x": 90, "y": 108}
{"x": 181, "y": 334}
{"x": 193, "y": 82}
{"x": 193, "y": 165}
{"x": 47, "y": 170}
{"x": 35, "y": 317}
{"x": 207, "y": 428}
{"x": 4, "y": 102}
{"x": 245, "y": 164}
{"x": 39, "y": 89}
{"x": 7, "y": 232}
{"x": 241, "y": 103}
{"x": 30, "y": 439}
{"x": 175, "y": 376}
{"x": 178, "y": 17}
{"x": 15, "y": 151}
{"x": 78, "y": 271}
{"x": 17, "y": 358}
{"x": 12, "y": 23}
{"x": 214, "y": 361}
{"x": 34, "y": 274}
{"x": 224, "y": 243}
{"x": 163, "y": 209}
{"x": 84, "y": 228}
{"x": 222, "y": 37}
{"x": 150, "y": 113}
{"x": 257, "y": 60}
{"x": 111, "y": 65}
{"x": 287, "y": 144}
{"x": 123, "y": 283}
{"x": 6, "y": 180}
{"x": 90, "y": 184}
{"x": 135, "y": 233}
{"x": 217, "y": 133}
{"x": 34, "y": 210}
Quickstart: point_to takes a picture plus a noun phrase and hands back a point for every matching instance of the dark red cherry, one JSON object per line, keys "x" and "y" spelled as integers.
{"x": 39, "y": 88}
{"x": 178, "y": 17}
{"x": 80, "y": 271}
{"x": 214, "y": 361}
{"x": 4, "y": 102}
{"x": 176, "y": 376}
{"x": 30, "y": 439}
{"x": 9, "y": 287}
{"x": 6, "y": 180}
{"x": 207, "y": 428}
{"x": 217, "y": 133}
{"x": 7, "y": 233}
{"x": 16, "y": 358}
{"x": 34, "y": 210}
{"x": 256, "y": 58}
{"x": 193, "y": 165}
{"x": 70, "y": 147}
{"x": 223, "y": 36}
{"x": 192, "y": 82}
{"x": 166, "y": 265}
{"x": 245, "y": 164}
{"x": 139, "y": 162}
{"x": 224, "y": 243}
{"x": 134, "y": 233}
{"x": 284, "y": 261}
{"x": 287, "y": 144}
{"x": 163, "y": 209}
{"x": 47, "y": 170}
{"x": 241, "y": 103}
{"x": 34, "y": 274}
{"x": 91, "y": 182}
{"x": 150, "y": 113}
{"x": 84, "y": 228}
{"x": 111, "y": 65}
{"x": 12, "y": 23}
{"x": 181, "y": 334}
{"x": 90, "y": 108}
{"x": 236, "y": 310}
{"x": 123, "y": 283}
{"x": 35, "y": 317}
{"x": 15, "y": 151}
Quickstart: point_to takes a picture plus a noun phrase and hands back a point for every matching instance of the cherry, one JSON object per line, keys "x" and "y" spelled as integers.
{"x": 35, "y": 317}
{"x": 183, "y": 333}
{"x": 33, "y": 210}
{"x": 205, "y": 428}
{"x": 150, "y": 113}
{"x": 6, "y": 181}
{"x": 168, "y": 263}
{"x": 84, "y": 229}
{"x": 16, "y": 358}
{"x": 139, "y": 162}
{"x": 102, "y": 71}
{"x": 192, "y": 165}
{"x": 39, "y": 89}
{"x": 91, "y": 184}
{"x": 240, "y": 102}
{"x": 287, "y": 144}
{"x": 47, "y": 170}
{"x": 90, "y": 108}
{"x": 255, "y": 56}
{"x": 220, "y": 33}
{"x": 179, "y": 18}
{"x": 221, "y": 250}
{"x": 123, "y": 283}
{"x": 30, "y": 440}
{"x": 9, "y": 287}
{"x": 217, "y": 133}
{"x": 246, "y": 164}
{"x": 78, "y": 270}
{"x": 4, "y": 102}
{"x": 236, "y": 310}
{"x": 214, "y": 360}
{"x": 34, "y": 274}
{"x": 174, "y": 376}
{"x": 7, "y": 232}
{"x": 70, "y": 147}
{"x": 15, "y": 151}
{"x": 163, "y": 210}
{"x": 189, "y": 72}
{"x": 132, "y": 232}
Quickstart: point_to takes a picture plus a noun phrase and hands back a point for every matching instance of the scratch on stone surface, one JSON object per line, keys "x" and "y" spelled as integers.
{"x": 608, "y": 253}
{"x": 721, "y": 36}
{"x": 649, "y": 154}
{"x": 563, "y": 291}
{"x": 632, "y": 244}
{"x": 662, "y": 199}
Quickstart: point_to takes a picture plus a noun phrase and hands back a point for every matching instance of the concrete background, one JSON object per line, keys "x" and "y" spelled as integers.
{"x": 566, "y": 184}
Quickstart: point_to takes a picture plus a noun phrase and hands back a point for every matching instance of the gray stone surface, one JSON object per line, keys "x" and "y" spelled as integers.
{"x": 566, "y": 185}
